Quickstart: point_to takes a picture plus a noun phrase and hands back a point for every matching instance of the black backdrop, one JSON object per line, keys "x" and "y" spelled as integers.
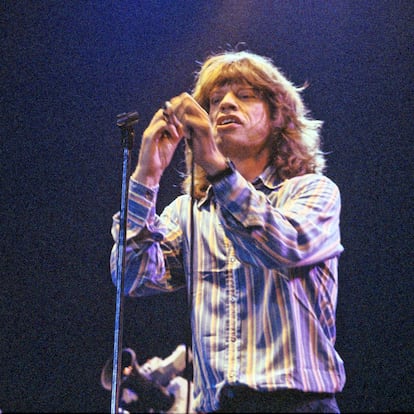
{"x": 69, "y": 67}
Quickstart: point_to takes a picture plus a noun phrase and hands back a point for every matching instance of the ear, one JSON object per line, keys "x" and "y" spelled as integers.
{"x": 277, "y": 120}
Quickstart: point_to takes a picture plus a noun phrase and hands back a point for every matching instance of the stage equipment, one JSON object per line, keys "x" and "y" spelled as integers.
{"x": 125, "y": 122}
{"x": 155, "y": 386}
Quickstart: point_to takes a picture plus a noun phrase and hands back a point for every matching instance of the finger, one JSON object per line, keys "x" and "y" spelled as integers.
{"x": 171, "y": 129}
{"x": 164, "y": 122}
{"x": 174, "y": 114}
{"x": 173, "y": 125}
{"x": 167, "y": 111}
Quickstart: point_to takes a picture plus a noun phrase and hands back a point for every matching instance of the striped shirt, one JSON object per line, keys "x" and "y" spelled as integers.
{"x": 264, "y": 282}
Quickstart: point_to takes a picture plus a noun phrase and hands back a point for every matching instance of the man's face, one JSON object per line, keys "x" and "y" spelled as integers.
{"x": 241, "y": 120}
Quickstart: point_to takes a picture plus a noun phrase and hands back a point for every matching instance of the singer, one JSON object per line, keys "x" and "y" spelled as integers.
{"x": 254, "y": 237}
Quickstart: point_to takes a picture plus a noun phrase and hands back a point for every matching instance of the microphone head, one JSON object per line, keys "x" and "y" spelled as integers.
{"x": 127, "y": 119}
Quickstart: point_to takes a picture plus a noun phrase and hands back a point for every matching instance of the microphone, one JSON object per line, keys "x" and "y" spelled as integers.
{"x": 127, "y": 119}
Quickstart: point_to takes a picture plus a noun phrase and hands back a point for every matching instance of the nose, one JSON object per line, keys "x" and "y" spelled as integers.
{"x": 229, "y": 101}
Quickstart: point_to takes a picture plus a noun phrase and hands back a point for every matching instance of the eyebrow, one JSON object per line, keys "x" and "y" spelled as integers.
{"x": 238, "y": 87}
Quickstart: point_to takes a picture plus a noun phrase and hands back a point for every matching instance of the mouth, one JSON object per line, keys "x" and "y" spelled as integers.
{"x": 228, "y": 120}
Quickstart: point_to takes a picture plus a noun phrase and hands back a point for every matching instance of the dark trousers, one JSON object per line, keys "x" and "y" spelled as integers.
{"x": 242, "y": 399}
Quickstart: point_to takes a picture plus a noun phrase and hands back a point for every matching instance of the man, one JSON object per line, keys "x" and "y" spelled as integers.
{"x": 255, "y": 238}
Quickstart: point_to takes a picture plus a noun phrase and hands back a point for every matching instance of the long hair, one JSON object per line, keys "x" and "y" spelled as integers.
{"x": 297, "y": 138}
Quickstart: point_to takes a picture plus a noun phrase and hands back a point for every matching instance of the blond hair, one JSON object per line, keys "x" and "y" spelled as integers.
{"x": 297, "y": 139}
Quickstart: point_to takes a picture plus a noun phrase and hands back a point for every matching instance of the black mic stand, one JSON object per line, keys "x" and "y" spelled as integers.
{"x": 125, "y": 122}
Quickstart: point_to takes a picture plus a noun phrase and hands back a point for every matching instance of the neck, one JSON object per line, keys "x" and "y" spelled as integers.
{"x": 250, "y": 168}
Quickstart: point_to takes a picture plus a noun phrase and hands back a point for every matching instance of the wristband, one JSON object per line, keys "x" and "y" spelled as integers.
{"x": 229, "y": 170}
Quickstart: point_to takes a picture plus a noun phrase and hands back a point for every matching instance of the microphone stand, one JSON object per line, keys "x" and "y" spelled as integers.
{"x": 125, "y": 121}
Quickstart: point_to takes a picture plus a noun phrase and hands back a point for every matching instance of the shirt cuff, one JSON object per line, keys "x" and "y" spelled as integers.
{"x": 229, "y": 170}
{"x": 141, "y": 202}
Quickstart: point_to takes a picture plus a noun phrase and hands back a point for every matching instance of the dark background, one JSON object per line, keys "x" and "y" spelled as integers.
{"x": 69, "y": 67}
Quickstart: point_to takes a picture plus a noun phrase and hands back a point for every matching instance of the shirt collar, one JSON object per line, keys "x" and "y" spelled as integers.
{"x": 268, "y": 179}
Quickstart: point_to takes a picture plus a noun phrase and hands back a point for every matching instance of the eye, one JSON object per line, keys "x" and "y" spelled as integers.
{"x": 247, "y": 94}
{"x": 215, "y": 99}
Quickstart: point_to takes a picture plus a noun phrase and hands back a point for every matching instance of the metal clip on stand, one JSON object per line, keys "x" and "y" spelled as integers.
{"x": 125, "y": 122}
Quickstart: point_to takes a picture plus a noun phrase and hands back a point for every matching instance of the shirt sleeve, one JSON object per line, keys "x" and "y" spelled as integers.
{"x": 147, "y": 260}
{"x": 296, "y": 224}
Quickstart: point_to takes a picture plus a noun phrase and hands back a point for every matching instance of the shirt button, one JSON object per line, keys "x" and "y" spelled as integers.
{"x": 157, "y": 237}
{"x": 233, "y": 299}
{"x": 232, "y": 259}
{"x": 233, "y": 339}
